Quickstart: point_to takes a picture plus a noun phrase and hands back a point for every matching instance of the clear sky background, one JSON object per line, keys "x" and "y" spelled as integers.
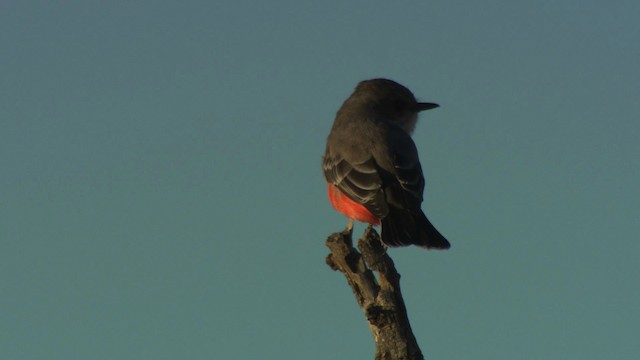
{"x": 161, "y": 194}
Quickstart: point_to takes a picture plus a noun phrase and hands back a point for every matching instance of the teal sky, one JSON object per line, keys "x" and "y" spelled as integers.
{"x": 162, "y": 196}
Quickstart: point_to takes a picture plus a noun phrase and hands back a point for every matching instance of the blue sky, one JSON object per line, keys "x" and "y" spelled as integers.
{"x": 162, "y": 196}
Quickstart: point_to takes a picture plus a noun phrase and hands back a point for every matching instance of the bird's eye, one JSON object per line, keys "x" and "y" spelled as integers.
{"x": 398, "y": 105}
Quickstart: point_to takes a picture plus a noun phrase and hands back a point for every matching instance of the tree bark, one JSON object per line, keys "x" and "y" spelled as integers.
{"x": 380, "y": 298}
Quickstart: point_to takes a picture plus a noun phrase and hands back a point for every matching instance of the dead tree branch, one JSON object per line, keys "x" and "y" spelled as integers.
{"x": 380, "y": 298}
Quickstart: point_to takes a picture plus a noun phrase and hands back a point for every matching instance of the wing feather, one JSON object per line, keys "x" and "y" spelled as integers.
{"x": 361, "y": 182}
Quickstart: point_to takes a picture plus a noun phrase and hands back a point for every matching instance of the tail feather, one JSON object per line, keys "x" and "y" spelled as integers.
{"x": 404, "y": 228}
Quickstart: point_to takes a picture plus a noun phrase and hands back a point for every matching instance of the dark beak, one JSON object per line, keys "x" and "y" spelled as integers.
{"x": 426, "y": 106}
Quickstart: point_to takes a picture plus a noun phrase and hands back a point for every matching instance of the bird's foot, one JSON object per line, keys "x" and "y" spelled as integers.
{"x": 349, "y": 227}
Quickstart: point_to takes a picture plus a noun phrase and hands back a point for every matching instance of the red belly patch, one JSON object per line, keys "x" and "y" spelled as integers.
{"x": 350, "y": 208}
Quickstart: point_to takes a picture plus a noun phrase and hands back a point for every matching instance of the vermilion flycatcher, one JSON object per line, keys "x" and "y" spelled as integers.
{"x": 371, "y": 164}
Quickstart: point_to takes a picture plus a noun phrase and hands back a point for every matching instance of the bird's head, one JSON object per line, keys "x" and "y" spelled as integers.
{"x": 393, "y": 101}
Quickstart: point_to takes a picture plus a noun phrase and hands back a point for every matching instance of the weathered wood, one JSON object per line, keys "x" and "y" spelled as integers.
{"x": 380, "y": 298}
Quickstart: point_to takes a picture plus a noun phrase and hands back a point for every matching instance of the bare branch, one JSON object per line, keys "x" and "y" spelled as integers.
{"x": 380, "y": 299}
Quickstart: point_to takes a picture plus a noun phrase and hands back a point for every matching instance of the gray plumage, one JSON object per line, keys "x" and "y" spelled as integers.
{"x": 372, "y": 159}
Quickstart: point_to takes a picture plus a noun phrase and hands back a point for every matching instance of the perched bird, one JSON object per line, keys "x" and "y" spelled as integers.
{"x": 371, "y": 164}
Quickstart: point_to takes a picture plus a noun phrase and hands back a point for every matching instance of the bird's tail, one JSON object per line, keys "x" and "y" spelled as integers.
{"x": 404, "y": 228}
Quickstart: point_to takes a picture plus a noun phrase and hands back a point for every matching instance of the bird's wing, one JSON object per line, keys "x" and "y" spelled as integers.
{"x": 403, "y": 178}
{"x": 360, "y": 181}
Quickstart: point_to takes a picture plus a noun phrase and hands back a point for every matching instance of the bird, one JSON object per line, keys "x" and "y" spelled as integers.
{"x": 372, "y": 168}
